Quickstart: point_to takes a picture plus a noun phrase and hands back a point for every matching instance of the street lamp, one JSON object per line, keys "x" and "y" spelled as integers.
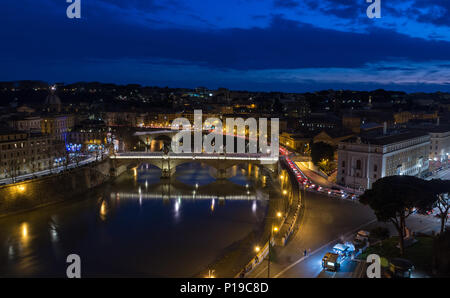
{"x": 211, "y": 274}
{"x": 273, "y": 229}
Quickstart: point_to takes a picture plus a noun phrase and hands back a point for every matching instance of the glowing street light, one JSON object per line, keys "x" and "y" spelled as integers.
{"x": 257, "y": 249}
{"x": 211, "y": 274}
{"x": 272, "y": 230}
{"x": 279, "y": 214}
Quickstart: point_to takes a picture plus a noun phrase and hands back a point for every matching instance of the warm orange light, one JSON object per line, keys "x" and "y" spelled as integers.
{"x": 103, "y": 209}
{"x": 279, "y": 214}
{"x": 21, "y": 188}
{"x": 257, "y": 248}
{"x": 24, "y": 230}
{"x": 275, "y": 229}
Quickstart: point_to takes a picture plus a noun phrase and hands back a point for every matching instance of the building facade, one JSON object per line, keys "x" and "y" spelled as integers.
{"x": 364, "y": 160}
{"x": 24, "y": 153}
{"x": 440, "y": 145}
{"x": 29, "y": 124}
{"x": 57, "y": 125}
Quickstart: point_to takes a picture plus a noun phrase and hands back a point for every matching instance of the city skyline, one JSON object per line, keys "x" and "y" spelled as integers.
{"x": 288, "y": 46}
{"x": 224, "y": 144}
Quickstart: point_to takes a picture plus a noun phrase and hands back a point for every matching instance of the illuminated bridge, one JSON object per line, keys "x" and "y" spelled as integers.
{"x": 221, "y": 162}
{"x": 194, "y": 196}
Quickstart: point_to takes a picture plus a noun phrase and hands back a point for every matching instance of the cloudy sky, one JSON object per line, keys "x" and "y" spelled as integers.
{"x": 267, "y": 45}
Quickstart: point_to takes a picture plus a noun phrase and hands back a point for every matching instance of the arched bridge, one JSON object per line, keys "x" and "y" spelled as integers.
{"x": 169, "y": 162}
{"x": 194, "y": 196}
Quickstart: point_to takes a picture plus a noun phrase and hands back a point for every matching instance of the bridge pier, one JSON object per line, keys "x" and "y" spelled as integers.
{"x": 165, "y": 174}
{"x": 221, "y": 174}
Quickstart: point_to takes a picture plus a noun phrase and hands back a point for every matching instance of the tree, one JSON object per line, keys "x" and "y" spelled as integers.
{"x": 439, "y": 190}
{"x": 321, "y": 151}
{"x": 394, "y": 198}
{"x": 13, "y": 169}
{"x": 441, "y": 253}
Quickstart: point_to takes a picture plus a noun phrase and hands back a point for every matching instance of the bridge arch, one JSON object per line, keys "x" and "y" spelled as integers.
{"x": 168, "y": 163}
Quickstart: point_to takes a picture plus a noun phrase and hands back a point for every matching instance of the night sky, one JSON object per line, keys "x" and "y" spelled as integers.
{"x": 267, "y": 45}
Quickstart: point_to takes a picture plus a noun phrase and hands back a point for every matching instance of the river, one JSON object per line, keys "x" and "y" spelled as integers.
{"x": 137, "y": 226}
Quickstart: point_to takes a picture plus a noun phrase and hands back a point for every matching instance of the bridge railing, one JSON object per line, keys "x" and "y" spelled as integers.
{"x": 158, "y": 155}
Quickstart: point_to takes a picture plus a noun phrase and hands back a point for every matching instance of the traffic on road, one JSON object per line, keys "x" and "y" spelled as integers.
{"x": 306, "y": 184}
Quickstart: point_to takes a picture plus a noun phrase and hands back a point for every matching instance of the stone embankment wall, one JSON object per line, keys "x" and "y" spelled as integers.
{"x": 39, "y": 192}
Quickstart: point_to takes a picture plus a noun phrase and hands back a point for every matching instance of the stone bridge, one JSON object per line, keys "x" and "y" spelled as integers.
{"x": 168, "y": 163}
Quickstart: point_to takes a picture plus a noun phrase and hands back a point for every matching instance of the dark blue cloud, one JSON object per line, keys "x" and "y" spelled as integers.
{"x": 115, "y": 31}
{"x": 283, "y": 45}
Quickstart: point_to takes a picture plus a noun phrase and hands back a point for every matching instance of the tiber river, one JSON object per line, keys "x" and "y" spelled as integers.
{"x": 137, "y": 226}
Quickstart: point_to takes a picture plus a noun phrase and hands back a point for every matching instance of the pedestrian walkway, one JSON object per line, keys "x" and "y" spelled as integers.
{"x": 42, "y": 173}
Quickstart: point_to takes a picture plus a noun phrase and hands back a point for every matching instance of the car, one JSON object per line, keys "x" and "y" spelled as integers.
{"x": 344, "y": 249}
{"x": 330, "y": 261}
{"x": 335, "y": 193}
{"x": 362, "y": 236}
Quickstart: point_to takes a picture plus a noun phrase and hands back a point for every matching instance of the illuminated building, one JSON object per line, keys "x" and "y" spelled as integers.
{"x": 362, "y": 160}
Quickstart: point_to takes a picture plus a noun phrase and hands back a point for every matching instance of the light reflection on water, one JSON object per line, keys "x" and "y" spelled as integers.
{"x": 117, "y": 236}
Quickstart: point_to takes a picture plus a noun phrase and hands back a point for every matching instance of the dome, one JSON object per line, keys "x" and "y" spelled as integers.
{"x": 52, "y": 101}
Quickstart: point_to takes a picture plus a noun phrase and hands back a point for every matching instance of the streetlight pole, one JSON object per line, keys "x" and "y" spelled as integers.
{"x": 270, "y": 251}
{"x": 272, "y": 229}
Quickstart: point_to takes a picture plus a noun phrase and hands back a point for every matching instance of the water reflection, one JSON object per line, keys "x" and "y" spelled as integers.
{"x": 147, "y": 226}
{"x": 24, "y": 228}
{"x": 103, "y": 210}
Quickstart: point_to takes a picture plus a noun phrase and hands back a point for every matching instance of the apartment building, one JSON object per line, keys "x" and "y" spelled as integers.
{"x": 25, "y": 153}
{"x": 29, "y": 124}
{"x": 57, "y": 125}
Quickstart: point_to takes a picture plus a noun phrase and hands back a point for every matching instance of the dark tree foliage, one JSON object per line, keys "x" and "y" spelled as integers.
{"x": 441, "y": 253}
{"x": 394, "y": 198}
{"x": 439, "y": 190}
{"x": 320, "y": 151}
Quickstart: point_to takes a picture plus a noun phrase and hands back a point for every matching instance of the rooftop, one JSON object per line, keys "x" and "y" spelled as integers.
{"x": 390, "y": 138}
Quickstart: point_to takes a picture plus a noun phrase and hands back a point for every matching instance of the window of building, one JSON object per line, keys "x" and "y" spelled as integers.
{"x": 375, "y": 168}
{"x": 358, "y": 164}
